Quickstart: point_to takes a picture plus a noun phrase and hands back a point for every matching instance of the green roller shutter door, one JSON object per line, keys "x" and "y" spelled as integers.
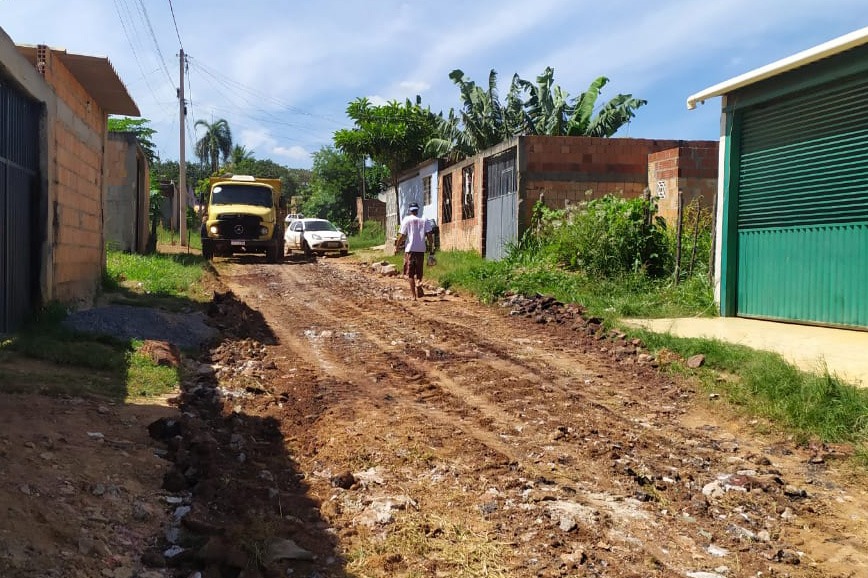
{"x": 803, "y": 207}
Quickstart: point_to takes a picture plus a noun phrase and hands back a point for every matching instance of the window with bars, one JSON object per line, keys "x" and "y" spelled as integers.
{"x": 426, "y": 190}
{"x": 467, "y": 211}
{"x": 446, "y": 193}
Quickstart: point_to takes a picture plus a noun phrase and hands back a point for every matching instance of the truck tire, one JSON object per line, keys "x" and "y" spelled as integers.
{"x": 272, "y": 253}
{"x": 207, "y": 249}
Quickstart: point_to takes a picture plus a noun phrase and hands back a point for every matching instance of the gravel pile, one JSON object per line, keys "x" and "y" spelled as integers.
{"x": 186, "y": 330}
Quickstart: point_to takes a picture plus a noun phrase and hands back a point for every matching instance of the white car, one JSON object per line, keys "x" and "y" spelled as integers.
{"x": 315, "y": 236}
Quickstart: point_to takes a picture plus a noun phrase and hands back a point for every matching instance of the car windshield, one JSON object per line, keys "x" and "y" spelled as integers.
{"x": 319, "y": 226}
{"x": 241, "y": 195}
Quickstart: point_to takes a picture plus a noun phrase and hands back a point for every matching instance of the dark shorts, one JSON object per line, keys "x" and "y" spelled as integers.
{"x": 413, "y": 264}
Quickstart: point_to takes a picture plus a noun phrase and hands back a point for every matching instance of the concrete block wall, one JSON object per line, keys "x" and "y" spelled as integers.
{"x": 690, "y": 168}
{"x": 76, "y": 193}
{"x": 121, "y": 203}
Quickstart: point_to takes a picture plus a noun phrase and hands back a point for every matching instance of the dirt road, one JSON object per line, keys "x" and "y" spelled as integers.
{"x": 340, "y": 429}
{"x": 445, "y": 438}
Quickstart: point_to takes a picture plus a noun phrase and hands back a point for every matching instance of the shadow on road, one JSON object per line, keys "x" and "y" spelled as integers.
{"x": 243, "y": 504}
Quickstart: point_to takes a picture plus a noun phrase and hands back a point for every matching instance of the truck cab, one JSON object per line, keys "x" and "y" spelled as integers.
{"x": 242, "y": 215}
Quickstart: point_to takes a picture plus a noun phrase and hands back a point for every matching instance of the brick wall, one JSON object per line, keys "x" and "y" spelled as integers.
{"x": 370, "y": 210}
{"x": 691, "y": 169}
{"x": 563, "y": 171}
{"x": 462, "y": 234}
{"x": 75, "y": 157}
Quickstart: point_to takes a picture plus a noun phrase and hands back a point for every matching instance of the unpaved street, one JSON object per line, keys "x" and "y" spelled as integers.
{"x": 446, "y": 438}
{"x": 338, "y": 429}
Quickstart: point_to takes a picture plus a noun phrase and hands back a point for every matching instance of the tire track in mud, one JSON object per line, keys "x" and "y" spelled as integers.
{"x": 464, "y": 376}
{"x": 523, "y": 440}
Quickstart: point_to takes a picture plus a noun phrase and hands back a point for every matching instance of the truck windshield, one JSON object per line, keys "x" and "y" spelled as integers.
{"x": 241, "y": 195}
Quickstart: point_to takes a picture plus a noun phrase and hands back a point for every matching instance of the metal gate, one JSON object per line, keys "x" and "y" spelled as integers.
{"x": 501, "y": 215}
{"x": 19, "y": 166}
{"x": 803, "y": 207}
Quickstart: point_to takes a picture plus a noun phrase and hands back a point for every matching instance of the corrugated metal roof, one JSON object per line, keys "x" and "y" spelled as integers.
{"x": 98, "y": 77}
{"x": 830, "y": 48}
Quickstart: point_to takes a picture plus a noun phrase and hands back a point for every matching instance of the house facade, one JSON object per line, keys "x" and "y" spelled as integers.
{"x": 792, "y": 202}
{"x": 51, "y": 199}
{"x": 418, "y": 185}
{"x": 486, "y": 201}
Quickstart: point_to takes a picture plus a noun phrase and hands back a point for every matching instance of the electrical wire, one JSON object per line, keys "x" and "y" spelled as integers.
{"x": 132, "y": 44}
{"x": 144, "y": 14}
{"x": 172, "y": 10}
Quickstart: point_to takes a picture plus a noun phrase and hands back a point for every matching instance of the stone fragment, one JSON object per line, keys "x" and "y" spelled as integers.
{"x": 286, "y": 550}
{"x": 696, "y": 361}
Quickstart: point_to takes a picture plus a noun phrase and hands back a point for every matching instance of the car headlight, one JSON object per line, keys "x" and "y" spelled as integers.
{"x": 315, "y": 237}
{"x": 213, "y": 229}
{"x": 343, "y": 237}
{"x": 263, "y": 231}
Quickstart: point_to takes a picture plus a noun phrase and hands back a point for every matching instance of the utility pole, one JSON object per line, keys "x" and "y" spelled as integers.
{"x": 182, "y": 162}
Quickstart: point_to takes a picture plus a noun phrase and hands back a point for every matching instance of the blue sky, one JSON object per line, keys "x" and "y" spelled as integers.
{"x": 282, "y": 72}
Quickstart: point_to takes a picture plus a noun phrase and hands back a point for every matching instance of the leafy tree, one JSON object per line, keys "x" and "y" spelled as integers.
{"x": 216, "y": 142}
{"x": 140, "y": 128}
{"x": 292, "y": 181}
{"x": 529, "y": 108}
{"x": 166, "y": 171}
{"x": 549, "y": 109}
{"x": 393, "y": 134}
{"x": 334, "y": 186}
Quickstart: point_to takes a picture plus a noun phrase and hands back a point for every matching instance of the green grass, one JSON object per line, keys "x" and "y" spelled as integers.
{"x": 175, "y": 275}
{"x": 87, "y": 364}
{"x": 629, "y": 296}
{"x": 371, "y": 235}
{"x": 78, "y": 364}
{"x": 168, "y": 237}
{"x": 809, "y": 405}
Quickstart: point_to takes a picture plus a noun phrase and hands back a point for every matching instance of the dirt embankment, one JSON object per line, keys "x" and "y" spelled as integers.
{"x": 340, "y": 429}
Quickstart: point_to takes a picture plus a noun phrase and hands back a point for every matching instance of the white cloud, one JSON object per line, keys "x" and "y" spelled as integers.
{"x": 294, "y": 153}
{"x": 283, "y": 73}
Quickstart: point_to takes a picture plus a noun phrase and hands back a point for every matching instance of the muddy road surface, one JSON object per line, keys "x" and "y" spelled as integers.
{"x": 338, "y": 428}
{"x": 342, "y": 429}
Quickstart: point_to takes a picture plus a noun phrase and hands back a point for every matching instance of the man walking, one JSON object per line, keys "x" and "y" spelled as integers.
{"x": 415, "y": 231}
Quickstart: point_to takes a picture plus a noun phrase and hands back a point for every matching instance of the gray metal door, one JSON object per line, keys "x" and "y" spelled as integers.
{"x": 19, "y": 166}
{"x": 501, "y": 216}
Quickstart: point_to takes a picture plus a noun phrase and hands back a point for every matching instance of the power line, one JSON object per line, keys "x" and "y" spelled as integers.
{"x": 133, "y": 47}
{"x": 144, "y": 14}
{"x": 172, "y": 10}
{"x": 239, "y": 88}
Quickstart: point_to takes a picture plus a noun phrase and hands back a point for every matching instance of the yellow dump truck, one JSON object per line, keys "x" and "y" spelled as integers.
{"x": 242, "y": 215}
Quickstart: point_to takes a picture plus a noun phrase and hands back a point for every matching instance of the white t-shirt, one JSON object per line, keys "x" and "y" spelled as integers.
{"x": 415, "y": 229}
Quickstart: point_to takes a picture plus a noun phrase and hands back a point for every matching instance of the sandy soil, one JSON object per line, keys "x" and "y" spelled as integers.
{"x": 341, "y": 429}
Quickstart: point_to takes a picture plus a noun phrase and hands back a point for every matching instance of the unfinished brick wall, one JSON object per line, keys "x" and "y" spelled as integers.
{"x": 370, "y": 210}
{"x": 563, "y": 171}
{"x": 462, "y": 234}
{"x": 691, "y": 169}
{"x": 75, "y": 157}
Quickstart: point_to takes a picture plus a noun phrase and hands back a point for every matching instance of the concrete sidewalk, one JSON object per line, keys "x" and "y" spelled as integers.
{"x": 843, "y": 351}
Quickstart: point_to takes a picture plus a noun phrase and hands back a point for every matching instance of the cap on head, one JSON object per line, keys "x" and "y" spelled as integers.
{"x": 414, "y": 207}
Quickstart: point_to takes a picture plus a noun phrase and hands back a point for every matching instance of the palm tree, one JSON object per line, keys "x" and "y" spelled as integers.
{"x": 216, "y": 141}
{"x": 238, "y": 155}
